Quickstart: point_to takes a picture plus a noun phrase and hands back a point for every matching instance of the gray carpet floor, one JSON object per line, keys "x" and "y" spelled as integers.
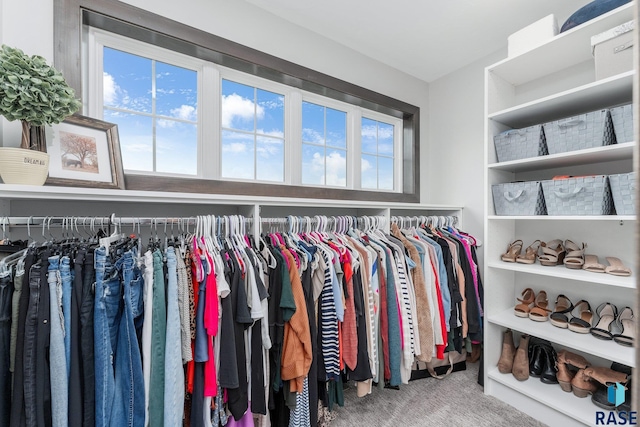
{"x": 458, "y": 400}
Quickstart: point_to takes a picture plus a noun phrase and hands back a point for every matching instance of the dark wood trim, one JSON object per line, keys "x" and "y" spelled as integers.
{"x": 208, "y": 186}
{"x": 143, "y": 25}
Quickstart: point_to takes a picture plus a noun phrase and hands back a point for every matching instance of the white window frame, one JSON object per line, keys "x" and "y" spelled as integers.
{"x": 209, "y": 144}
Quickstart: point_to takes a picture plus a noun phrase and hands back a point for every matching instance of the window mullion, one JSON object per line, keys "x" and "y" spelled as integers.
{"x": 209, "y": 122}
{"x": 354, "y": 148}
{"x": 293, "y": 138}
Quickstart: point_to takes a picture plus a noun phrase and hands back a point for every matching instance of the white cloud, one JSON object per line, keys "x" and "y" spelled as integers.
{"x": 185, "y": 112}
{"x": 138, "y": 148}
{"x": 273, "y": 133}
{"x": 310, "y": 135}
{"x": 335, "y": 172}
{"x": 236, "y": 107}
{"x": 369, "y": 132}
{"x": 110, "y": 89}
{"x": 234, "y": 147}
{"x": 365, "y": 165}
{"x": 166, "y": 124}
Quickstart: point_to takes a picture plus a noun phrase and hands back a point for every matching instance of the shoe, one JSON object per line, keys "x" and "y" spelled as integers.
{"x": 600, "y": 398}
{"x": 559, "y": 316}
{"x": 549, "y": 373}
{"x": 575, "y": 361}
{"x": 582, "y": 320}
{"x": 522, "y": 309}
{"x": 505, "y": 363}
{"x": 574, "y": 257}
{"x": 513, "y": 251}
{"x": 539, "y": 312}
{"x": 606, "y": 376}
{"x": 607, "y": 314}
{"x": 521, "y": 360}
{"x": 552, "y": 253}
{"x": 530, "y": 254}
{"x": 627, "y": 325}
{"x": 564, "y": 374}
{"x": 616, "y": 267}
{"x": 476, "y": 352}
{"x": 582, "y": 385}
{"x": 536, "y": 360}
{"x": 592, "y": 264}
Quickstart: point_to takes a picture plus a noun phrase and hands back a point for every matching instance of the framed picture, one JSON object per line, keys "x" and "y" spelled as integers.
{"x": 84, "y": 152}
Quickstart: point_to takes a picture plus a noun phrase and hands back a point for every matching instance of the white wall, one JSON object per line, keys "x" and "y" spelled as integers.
{"x": 455, "y": 166}
{"x": 237, "y": 21}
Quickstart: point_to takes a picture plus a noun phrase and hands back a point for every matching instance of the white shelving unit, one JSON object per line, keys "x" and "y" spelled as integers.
{"x": 522, "y": 91}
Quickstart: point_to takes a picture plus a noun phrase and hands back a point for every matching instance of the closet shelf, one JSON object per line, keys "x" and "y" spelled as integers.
{"x": 582, "y": 410}
{"x": 606, "y": 153}
{"x": 563, "y": 217}
{"x": 567, "y": 273}
{"x": 599, "y": 94}
{"x": 566, "y": 49}
{"x": 586, "y": 343}
{"x": 27, "y": 192}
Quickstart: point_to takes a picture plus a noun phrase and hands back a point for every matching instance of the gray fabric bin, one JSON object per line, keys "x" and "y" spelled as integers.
{"x": 590, "y": 195}
{"x": 623, "y": 191}
{"x": 515, "y": 144}
{"x": 589, "y": 130}
{"x": 518, "y": 198}
{"x": 622, "y": 118}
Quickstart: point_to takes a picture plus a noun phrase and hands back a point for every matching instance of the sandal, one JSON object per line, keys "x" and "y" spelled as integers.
{"x": 530, "y": 254}
{"x": 513, "y": 251}
{"x": 574, "y": 258}
{"x": 582, "y": 320}
{"x": 539, "y": 312}
{"x": 522, "y": 309}
{"x": 559, "y": 316}
{"x": 616, "y": 267}
{"x": 626, "y": 323}
{"x": 607, "y": 314}
{"x": 552, "y": 253}
{"x": 592, "y": 264}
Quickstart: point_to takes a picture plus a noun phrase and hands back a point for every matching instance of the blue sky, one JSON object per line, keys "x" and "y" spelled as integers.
{"x": 253, "y": 127}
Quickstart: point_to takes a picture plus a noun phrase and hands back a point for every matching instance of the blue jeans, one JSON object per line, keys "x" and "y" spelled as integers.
{"x": 67, "y": 277}
{"x": 118, "y": 365}
{"x": 173, "y": 370}
{"x": 57, "y": 358}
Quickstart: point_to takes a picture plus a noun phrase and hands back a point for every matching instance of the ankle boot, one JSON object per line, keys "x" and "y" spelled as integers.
{"x": 476, "y": 352}
{"x": 605, "y": 376}
{"x": 582, "y": 385}
{"x": 521, "y": 361}
{"x": 536, "y": 360}
{"x": 576, "y": 360}
{"x": 564, "y": 375}
{"x": 549, "y": 374}
{"x": 505, "y": 363}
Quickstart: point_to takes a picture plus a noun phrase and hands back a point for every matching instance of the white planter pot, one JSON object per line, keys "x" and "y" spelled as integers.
{"x": 20, "y": 166}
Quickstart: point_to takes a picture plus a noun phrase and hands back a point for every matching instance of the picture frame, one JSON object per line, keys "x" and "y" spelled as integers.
{"x": 84, "y": 152}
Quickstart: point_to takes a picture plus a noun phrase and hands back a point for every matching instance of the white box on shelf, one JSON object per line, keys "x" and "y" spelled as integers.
{"x": 532, "y": 35}
{"x": 613, "y": 50}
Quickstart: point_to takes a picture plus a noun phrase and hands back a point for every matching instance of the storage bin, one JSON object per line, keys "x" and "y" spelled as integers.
{"x": 613, "y": 51}
{"x": 518, "y": 198}
{"x": 589, "y": 195}
{"x": 623, "y": 191}
{"x": 516, "y": 144}
{"x": 622, "y": 119}
{"x": 589, "y": 130}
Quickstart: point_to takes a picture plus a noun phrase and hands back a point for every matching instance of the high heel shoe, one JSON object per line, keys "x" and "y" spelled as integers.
{"x": 530, "y": 254}
{"x": 627, "y": 325}
{"x": 522, "y": 309}
{"x": 539, "y": 312}
{"x": 559, "y": 316}
{"x": 513, "y": 251}
{"x": 574, "y": 257}
{"x": 607, "y": 314}
{"x": 582, "y": 320}
{"x": 552, "y": 253}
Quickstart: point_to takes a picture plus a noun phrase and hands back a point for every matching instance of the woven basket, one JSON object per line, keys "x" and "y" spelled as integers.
{"x": 518, "y": 198}
{"x": 623, "y": 191}
{"x": 516, "y": 144}
{"x": 622, "y": 118}
{"x": 589, "y": 195}
{"x": 588, "y": 130}
{"x": 20, "y": 166}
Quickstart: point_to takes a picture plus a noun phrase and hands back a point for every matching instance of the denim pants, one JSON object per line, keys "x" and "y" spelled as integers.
{"x": 158, "y": 343}
{"x": 118, "y": 366}
{"x": 66, "y": 276}
{"x": 6, "y": 290}
{"x": 57, "y": 358}
{"x": 173, "y": 370}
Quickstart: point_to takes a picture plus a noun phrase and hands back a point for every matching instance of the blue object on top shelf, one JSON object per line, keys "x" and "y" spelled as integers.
{"x": 590, "y": 11}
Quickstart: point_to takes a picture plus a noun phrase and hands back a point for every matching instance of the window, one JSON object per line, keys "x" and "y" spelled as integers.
{"x": 252, "y": 133}
{"x": 324, "y": 145}
{"x": 202, "y": 110}
{"x": 377, "y": 154}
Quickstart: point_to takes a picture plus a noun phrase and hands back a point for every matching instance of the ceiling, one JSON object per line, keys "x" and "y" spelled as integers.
{"x": 424, "y": 38}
